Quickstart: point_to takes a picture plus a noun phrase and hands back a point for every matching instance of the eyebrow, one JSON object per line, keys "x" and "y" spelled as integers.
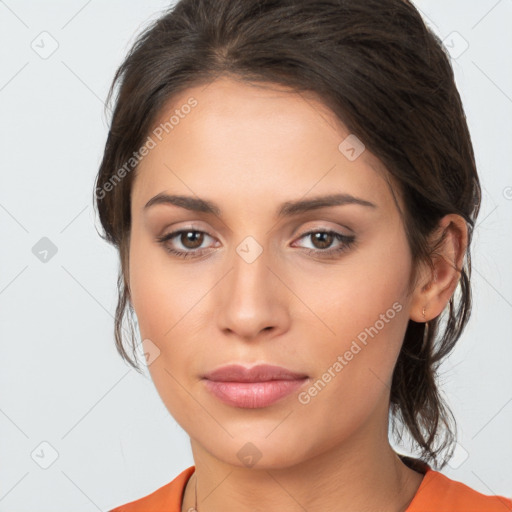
{"x": 287, "y": 209}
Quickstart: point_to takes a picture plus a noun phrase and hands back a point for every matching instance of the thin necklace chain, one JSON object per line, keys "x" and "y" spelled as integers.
{"x": 195, "y": 505}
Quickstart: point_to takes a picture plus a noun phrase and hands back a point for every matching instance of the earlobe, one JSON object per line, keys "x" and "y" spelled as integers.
{"x": 430, "y": 298}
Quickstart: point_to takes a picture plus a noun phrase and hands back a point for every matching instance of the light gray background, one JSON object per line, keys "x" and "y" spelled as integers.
{"x": 61, "y": 380}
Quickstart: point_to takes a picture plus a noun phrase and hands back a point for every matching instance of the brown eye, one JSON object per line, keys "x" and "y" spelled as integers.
{"x": 323, "y": 243}
{"x": 185, "y": 243}
{"x": 192, "y": 239}
{"x": 322, "y": 240}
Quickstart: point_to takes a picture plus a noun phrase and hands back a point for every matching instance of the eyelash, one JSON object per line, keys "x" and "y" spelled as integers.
{"x": 348, "y": 241}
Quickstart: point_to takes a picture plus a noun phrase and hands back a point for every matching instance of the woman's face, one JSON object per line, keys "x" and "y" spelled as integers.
{"x": 263, "y": 287}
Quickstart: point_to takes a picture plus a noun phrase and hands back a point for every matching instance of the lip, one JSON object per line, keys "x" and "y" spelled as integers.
{"x": 258, "y": 373}
{"x": 255, "y": 387}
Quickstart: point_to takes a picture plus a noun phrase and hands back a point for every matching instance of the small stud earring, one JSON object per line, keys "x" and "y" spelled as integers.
{"x": 423, "y": 313}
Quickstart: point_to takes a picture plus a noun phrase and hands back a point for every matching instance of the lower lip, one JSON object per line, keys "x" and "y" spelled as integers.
{"x": 252, "y": 395}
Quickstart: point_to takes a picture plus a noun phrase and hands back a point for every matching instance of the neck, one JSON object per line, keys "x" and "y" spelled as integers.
{"x": 361, "y": 474}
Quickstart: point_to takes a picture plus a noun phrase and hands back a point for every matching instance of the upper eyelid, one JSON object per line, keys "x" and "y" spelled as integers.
{"x": 307, "y": 231}
{"x": 197, "y": 225}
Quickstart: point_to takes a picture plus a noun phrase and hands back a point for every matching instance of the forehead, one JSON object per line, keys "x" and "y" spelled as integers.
{"x": 255, "y": 141}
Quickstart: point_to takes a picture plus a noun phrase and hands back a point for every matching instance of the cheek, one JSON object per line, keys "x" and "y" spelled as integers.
{"x": 159, "y": 295}
{"x": 354, "y": 367}
{"x": 163, "y": 302}
{"x": 352, "y": 294}
{"x": 169, "y": 301}
{"x": 146, "y": 295}
{"x": 363, "y": 310}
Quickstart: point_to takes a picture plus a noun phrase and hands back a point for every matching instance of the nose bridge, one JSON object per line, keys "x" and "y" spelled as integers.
{"x": 250, "y": 301}
{"x": 249, "y": 279}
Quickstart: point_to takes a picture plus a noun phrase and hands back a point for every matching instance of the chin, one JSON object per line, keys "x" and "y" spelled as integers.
{"x": 277, "y": 451}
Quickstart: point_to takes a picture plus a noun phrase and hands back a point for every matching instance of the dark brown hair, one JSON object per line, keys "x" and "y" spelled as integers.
{"x": 385, "y": 75}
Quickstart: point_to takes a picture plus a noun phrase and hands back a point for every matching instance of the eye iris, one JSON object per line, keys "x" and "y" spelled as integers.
{"x": 321, "y": 238}
{"x": 192, "y": 236}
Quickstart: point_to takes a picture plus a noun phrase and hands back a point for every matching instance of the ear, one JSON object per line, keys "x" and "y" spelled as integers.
{"x": 434, "y": 290}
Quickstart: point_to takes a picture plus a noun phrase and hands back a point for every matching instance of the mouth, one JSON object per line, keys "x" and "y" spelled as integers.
{"x": 251, "y": 388}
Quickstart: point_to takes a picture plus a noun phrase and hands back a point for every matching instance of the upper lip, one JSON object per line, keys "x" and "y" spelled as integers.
{"x": 258, "y": 373}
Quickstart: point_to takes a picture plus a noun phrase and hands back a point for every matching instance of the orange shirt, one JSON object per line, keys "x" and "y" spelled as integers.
{"x": 436, "y": 493}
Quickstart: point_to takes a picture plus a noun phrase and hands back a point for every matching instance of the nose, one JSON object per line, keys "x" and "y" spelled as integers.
{"x": 252, "y": 299}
